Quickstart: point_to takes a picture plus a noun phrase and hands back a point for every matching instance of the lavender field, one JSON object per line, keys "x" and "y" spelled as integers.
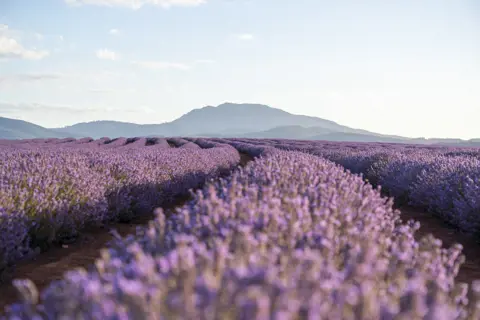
{"x": 290, "y": 235}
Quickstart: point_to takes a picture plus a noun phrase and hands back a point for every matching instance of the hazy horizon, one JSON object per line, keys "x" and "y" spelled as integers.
{"x": 408, "y": 68}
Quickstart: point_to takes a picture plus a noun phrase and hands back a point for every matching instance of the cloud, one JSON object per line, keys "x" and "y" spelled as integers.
{"x": 114, "y": 32}
{"x": 112, "y": 90}
{"x": 204, "y": 61}
{"x": 21, "y": 108}
{"x": 55, "y": 116}
{"x": 101, "y": 91}
{"x": 336, "y": 96}
{"x": 9, "y": 108}
{"x": 10, "y": 48}
{"x": 106, "y": 54}
{"x": 245, "y": 36}
{"x": 161, "y": 65}
{"x": 89, "y": 77}
{"x": 137, "y": 4}
{"x": 28, "y": 77}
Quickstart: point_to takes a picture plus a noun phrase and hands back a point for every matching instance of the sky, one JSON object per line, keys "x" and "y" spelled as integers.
{"x": 406, "y": 67}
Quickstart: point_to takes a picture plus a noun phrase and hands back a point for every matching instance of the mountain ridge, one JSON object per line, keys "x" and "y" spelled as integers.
{"x": 20, "y": 129}
{"x": 228, "y": 118}
{"x": 246, "y": 120}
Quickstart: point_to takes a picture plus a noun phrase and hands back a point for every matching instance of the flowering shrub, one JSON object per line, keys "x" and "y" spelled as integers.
{"x": 443, "y": 180}
{"x": 177, "y": 142}
{"x": 48, "y": 194}
{"x": 263, "y": 245}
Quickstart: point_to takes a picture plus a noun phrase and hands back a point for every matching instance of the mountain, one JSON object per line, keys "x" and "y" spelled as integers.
{"x": 356, "y": 137}
{"x": 226, "y": 120}
{"x": 287, "y": 132}
{"x": 230, "y": 118}
{"x": 320, "y": 133}
{"x": 113, "y": 129}
{"x": 19, "y": 129}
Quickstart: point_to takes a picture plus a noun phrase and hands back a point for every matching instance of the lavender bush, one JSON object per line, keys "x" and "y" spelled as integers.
{"x": 48, "y": 195}
{"x": 157, "y": 143}
{"x": 261, "y": 245}
{"x": 443, "y": 180}
{"x": 177, "y": 142}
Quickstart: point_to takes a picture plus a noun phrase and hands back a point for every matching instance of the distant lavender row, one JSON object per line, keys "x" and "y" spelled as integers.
{"x": 47, "y": 196}
{"x": 442, "y": 180}
{"x": 182, "y": 143}
{"x": 86, "y": 143}
{"x": 253, "y": 149}
{"x": 291, "y": 236}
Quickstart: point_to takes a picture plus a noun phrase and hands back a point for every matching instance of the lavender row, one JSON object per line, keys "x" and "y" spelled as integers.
{"x": 447, "y": 185}
{"x": 47, "y": 196}
{"x": 182, "y": 143}
{"x": 263, "y": 245}
{"x": 442, "y": 180}
{"x": 88, "y": 143}
{"x": 253, "y": 149}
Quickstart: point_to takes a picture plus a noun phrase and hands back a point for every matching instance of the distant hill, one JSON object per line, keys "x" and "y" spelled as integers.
{"x": 355, "y": 137}
{"x": 287, "y": 132}
{"x": 226, "y": 120}
{"x": 19, "y": 129}
{"x": 113, "y": 129}
{"x": 320, "y": 133}
{"x": 231, "y": 118}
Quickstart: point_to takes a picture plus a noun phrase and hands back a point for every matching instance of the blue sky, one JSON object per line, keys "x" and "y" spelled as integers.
{"x": 404, "y": 67}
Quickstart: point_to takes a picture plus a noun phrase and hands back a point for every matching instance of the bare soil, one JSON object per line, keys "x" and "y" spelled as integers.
{"x": 429, "y": 224}
{"x": 52, "y": 264}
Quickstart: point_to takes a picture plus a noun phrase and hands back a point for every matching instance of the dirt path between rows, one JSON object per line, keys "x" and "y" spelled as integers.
{"x": 470, "y": 270}
{"x": 52, "y": 265}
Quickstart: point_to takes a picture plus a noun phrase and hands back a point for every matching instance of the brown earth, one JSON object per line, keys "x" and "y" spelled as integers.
{"x": 52, "y": 264}
{"x": 429, "y": 224}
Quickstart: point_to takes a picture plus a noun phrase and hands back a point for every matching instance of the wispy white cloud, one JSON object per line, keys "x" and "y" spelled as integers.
{"x": 11, "y": 48}
{"x": 101, "y": 91}
{"x": 28, "y": 77}
{"x": 7, "y": 108}
{"x": 58, "y": 115}
{"x": 38, "y": 36}
{"x": 137, "y": 4}
{"x": 114, "y": 32}
{"x": 106, "y": 54}
{"x": 204, "y": 61}
{"x": 336, "y": 96}
{"x": 97, "y": 78}
{"x": 112, "y": 90}
{"x": 161, "y": 65}
{"x": 12, "y": 108}
{"x": 245, "y": 36}
{"x": 46, "y": 37}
